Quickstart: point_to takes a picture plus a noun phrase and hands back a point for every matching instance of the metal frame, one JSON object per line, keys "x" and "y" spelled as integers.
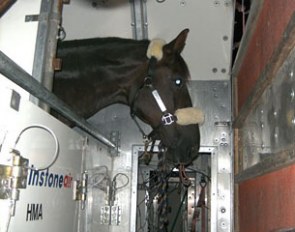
{"x": 222, "y": 180}
{"x": 49, "y": 23}
{"x": 221, "y": 188}
{"x": 139, "y": 19}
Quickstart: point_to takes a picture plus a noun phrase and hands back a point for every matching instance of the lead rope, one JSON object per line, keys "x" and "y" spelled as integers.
{"x": 163, "y": 197}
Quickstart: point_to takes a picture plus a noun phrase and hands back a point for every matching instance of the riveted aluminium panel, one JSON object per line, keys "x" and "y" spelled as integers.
{"x": 214, "y": 99}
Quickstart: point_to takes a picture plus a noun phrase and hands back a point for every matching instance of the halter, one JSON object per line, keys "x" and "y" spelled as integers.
{"x": 167, "y": 118}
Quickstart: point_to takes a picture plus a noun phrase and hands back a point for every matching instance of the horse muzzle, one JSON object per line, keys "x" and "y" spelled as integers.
{"x": 181, "y": 142}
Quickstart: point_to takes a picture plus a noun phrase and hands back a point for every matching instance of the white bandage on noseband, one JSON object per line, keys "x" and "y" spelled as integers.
{"x": 190, "y": 115}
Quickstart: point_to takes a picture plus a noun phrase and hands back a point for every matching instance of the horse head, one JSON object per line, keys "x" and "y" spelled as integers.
{"x": 163, "y": 101}
{"x": 149, "y": 76}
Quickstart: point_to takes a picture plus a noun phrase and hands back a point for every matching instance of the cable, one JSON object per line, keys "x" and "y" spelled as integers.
{"x": 94, "y": 181}
{"x": 56, "y": 153}
{"x": 178, "y": 211}
{"x": 124, "y": 185}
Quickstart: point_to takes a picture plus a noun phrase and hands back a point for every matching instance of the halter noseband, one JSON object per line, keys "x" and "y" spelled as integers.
{"x": 167, "y": 118}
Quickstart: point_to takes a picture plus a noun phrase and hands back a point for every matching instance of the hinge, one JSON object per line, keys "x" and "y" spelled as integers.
{"x": 80, "y": 189}
{"x": 13, "y": 177}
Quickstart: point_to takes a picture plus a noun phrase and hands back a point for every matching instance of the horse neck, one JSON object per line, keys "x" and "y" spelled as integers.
{"x": 122, "y": 84}
{"x": 107, "y": 69}
{"x": 120, "y": 66}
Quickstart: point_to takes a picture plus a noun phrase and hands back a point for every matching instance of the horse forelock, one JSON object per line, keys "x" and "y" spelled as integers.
{"x": 155, "y": 49}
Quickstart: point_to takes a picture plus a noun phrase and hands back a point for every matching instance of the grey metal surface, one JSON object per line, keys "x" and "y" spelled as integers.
{"x": 48, "y": 25}
{"x": 117, "y": 118}
{"x": 222, "y": 179}
{"x": 16, "y": 74}
{"x": 139, "y": 19}
{"x": 214, "y": 99}
{"x": 270, "y": 127}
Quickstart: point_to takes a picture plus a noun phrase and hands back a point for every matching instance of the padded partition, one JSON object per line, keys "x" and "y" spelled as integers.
{"x": 267, "y": 203}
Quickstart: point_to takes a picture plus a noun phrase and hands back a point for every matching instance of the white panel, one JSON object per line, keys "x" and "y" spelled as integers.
{"x": 209, "y": 45}
{"x": 59, "y": 211}
{"x": 82, "y": 20}
{"x": 18, "y": 38}
{"x": 208, "y": 48}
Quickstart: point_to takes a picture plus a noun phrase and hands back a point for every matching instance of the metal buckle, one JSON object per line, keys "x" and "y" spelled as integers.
{"x": 168, "y": 119}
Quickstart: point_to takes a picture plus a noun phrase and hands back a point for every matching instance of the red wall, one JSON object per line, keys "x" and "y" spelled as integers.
{"x": 267, "y": 203}
{"x": 271, "y": 23}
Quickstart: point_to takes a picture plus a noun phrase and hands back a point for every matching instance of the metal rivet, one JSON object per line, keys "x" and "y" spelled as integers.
{"x": 227, "y": 3}
{"x": 223, "y": 225}
{"x": 214, "y": 70}
{"x": 225, "y": 37}
{"x": 182, "y": 3}
{"x": 216, "y": 3}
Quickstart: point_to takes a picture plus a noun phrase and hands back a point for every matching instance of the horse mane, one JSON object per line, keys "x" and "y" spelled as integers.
{"x": 107, "y": 53}
{"x": 105, "y": 62}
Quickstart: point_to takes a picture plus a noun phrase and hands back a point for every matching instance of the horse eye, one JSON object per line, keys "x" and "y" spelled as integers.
{"x": 178, "y": 82}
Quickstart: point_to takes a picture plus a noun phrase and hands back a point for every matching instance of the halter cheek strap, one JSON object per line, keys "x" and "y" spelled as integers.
{"x": 167, "y": 118}
{"x": 154, "y": 53}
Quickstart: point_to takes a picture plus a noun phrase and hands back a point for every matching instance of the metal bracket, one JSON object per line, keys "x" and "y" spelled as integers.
{"x": 80, "y": 189}
{"x": 110, "y": 215}
{"x": 12, "y": 178}
{"x": 31, "y": 18}
{"x": 15, "y": 100}
{"x": 115, "y": 138}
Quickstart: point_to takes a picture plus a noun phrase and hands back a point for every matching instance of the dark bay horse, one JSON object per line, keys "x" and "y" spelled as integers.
{"x": 103, "y": 71}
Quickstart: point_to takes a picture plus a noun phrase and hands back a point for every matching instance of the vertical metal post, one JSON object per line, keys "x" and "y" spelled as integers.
{"x": 222, "y": 180}
{"x": 134, "y": 181}
{"x": 139, "y": 19}
{"x": 49, "y": 22}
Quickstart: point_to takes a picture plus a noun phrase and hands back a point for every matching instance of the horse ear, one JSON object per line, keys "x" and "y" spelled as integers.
{"x": 176, "y": 46}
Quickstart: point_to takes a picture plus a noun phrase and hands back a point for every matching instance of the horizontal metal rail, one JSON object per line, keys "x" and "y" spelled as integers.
{"x": 19, "y": 76}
